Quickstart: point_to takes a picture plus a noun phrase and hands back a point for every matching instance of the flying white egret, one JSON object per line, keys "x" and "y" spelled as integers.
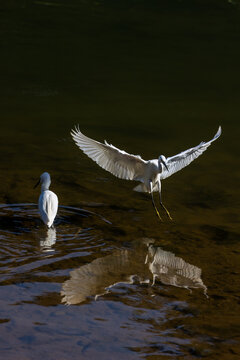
{"x": 48, "y": 201}
{"x": 133, "y": 167}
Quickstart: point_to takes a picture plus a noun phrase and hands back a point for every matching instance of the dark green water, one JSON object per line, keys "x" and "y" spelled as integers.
{"x": 151, "y": 78}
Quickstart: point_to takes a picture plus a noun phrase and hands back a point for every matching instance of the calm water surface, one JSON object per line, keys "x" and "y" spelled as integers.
{"x": 151, "y": 79}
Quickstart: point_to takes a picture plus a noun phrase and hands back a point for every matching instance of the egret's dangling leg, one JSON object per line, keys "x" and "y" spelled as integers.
{"x": 160, "y": 200}
{"x": 151, "y": 190}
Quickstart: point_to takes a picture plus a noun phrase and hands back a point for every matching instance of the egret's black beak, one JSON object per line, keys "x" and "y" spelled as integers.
{"x": 164, "y": 164}
{"x": 37, "y": 184}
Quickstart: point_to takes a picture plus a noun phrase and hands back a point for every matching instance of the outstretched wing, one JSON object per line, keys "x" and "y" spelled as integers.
{"x": 179, "y": 161}
{"x": 110, "y": 158}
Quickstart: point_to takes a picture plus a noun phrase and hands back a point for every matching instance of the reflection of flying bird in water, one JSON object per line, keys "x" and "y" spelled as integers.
{"x": 95, "y": 278}
{"x": 173, "y": 270}
{"x": 125, "y": 266}
{"x": 133, "y": 167}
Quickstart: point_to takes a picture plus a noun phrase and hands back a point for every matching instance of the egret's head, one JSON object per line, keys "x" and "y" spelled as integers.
{"x": 44, "y": 179}
{"x": 162, "y": 160}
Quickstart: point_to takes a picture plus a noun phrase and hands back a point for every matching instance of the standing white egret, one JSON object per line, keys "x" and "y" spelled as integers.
{"x": 133, "y": 167}
{"x": 48, "y": 200}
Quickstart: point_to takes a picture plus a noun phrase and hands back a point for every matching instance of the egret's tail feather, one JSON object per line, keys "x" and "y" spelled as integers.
{"x": 141, "y": 188}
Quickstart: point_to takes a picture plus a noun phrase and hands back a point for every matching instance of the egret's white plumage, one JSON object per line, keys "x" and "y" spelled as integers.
{"x": 48, "y": 200}
{"x": 133, "y": 167}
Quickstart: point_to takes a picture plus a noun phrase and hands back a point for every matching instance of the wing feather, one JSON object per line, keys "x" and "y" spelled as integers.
{"x": 118, "y": 162}
{"x": 179, "y": 161}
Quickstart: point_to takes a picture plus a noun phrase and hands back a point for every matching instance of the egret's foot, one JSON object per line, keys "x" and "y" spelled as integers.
{"x": 169, "y": 216}
{"x": 159, "y": 216}
{"x": 168, "y": 213}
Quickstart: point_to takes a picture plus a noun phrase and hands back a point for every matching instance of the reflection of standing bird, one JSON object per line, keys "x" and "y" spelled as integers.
{"x": 48, "y": 201}
{"x": 133, "y": 167}
{"x": 49, "y": 240}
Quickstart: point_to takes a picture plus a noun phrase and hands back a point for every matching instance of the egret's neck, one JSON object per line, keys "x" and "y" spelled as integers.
{"x": 45, "y": 185}
{"x": 160, "y": 167}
